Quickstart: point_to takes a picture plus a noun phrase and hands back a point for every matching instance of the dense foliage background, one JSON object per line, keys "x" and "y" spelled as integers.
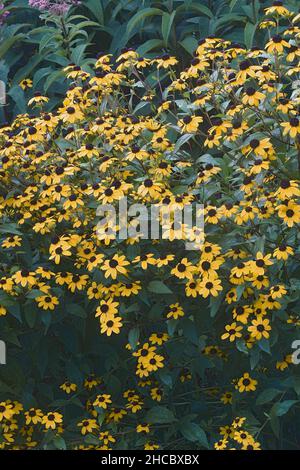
{"x": 139, "y": 344}
{"x": 38, "y": 45}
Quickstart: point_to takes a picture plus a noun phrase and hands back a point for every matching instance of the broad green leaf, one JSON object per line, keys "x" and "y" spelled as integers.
{"x": 60, "y": 443}
{"x": 149, "y": 46}
{"x": 9, "y": 43}
{"x": 283, "y": 407}
{"x": 249, "y": 34}
{"x": 166, "y": 25}
{"x": 267, "y": 395}
{"x": 159, "y": 287}
{"x": 189, "y": 44}
{"x": 194, "y": 433}
{"x": 96, "y": 8}
{"x": 160, "y": 415}
{"x": 204, "y": 10}
{"x": 140, "y": 16}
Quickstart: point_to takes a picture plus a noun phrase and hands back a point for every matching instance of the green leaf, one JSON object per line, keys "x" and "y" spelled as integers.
{"x": 296, "y": 385}
{"x": 52, "y": 78}
{"x": 275, "y": 424}
{"x": 182, "y": 140}
{"x": 17, "y": 95}
{"x": 95, "y": 7}
{"x": 133, "y": 337}
{"x": 30, "y": 315}
{"x": 158, "y": 287}
{"x": 192, "y": 432}
{"x": 189, "y": 44}
{"x": 166, "y": 25}
{"x": 227, "y": 19}
{"x": 264, "y": 345}
{"x": 149, "y": 46}
{"x": 140, "y": 16}
{"x": 34, "y": 293}
{"x": 249, "y": 34}
{"x": 60, "y": 443}
{"x": 78, "y": 53}
{"x": 160, "y": 415}
{"x": 166, "y": 378}
{"x": 77, "y": 310}
{"x": 232, "y": 4}
{"x": 8, "y": 43}
{"x": 283, "y": 407}
{"x": 215, "y": 304}
{"x": 10, "y": 228}
{"x": 254, "y": 357}
{"x": 267, "y": 395}
{"x": 204, "y": 10}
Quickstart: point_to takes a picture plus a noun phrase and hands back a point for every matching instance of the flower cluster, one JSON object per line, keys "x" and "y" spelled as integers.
{"x": 55, "y": 7}
{"x": 202, "y": 332}
{"x": 3, "y": 14}
{"x": 239, "y": 437}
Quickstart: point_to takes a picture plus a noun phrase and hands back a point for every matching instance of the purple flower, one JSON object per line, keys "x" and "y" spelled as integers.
{"x": 56, "y": 7}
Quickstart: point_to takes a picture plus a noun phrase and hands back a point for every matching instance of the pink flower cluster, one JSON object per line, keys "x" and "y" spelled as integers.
{"x": 56, "y": 7}
{"x": 3, "y": 14}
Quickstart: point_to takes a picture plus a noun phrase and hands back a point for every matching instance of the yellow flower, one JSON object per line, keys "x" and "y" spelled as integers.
{"x": 102, "y": 401}
{"x": 290, "y": 213}
{"x": 87, "y": 426}
{"x": 226, "y": 398}
{"x": 115, "y": 266}
{"x": 145, "y": 260}
{"x": 68, "y": 387}
{"x": 38, "y": 99}
{"x": 260, "y": 328}
{"x": 175, "y": 311}
{"x": 51, "y": 420}
{"x": 26, "y": 83}
{"x": 33, "y": 416}
{"x": 277, "y": 44}
{"x": 143, "y": 428}
{"x": 210, "y": 287}
{"x": 6, "y": 410}
{"x": 107, "y": 307}
{"x": 283, "y": 252}
{"x": 232, "y": 332}
{"x": 246, "y": 383}
{"x": 278, "y": 9}
{"x": 47, "y": 302}
{"x": 110, "y": 324}
{"x": 184, "y": 269}
{"x": 3, "y": 311}
{"x": 24, "y": 278}
{"x": 252, "y": 97}
{"x": 12, "y": 242}
{"x": 221, "y": 445}
{"x": 190, "y": 124}
{"x": 292, "y": 127}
